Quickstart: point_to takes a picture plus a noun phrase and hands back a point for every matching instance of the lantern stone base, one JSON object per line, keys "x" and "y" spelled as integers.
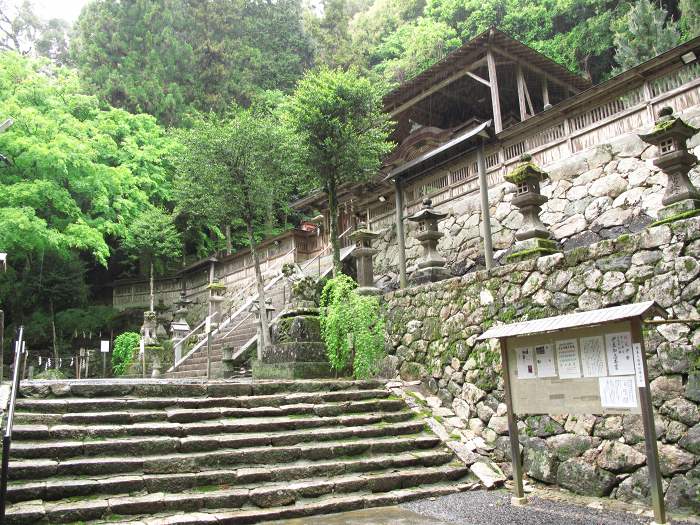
{"x": 429, "y": 275}
{"x": 531, "y": 249}
{"x": 678, "y": 210}
{"x": 368, "y": 290}
{"x": 300, "y": 370}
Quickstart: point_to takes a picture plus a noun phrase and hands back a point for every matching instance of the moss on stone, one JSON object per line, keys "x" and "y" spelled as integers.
{"x": 674, "y": 218}
{"x": 529, "y": 254}
{"x": 525, "y": 171}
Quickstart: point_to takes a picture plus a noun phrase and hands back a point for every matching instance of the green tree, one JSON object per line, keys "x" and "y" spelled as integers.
{"x": 338, "y": 117}
{"x": 690, "y": 18}
{"x": 238, "y": 167}
{"x": 644, "y": 33}
{"x": 153, "y": 239}
{"x": 23, "y": 31}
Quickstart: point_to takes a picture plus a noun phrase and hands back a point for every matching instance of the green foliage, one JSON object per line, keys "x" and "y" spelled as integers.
{"x": 51, "y": 374}
{"x": 352, "y": 327}
{"x": 343, "y": 132}
{"x": 642, "y": 34}
{"x": 125, "y": 350}
{"x": 690, "y": 18}
{"x": 170, "y": 57}
{"x": 154, "y": 237}
{"x": 23, "y": 31}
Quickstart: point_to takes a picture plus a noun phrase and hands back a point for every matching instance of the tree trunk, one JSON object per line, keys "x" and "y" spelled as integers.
{"x": 152, "y": 294}
{"x": 264, "y": 331}
{"x": 333, "y": 220}
{"x": 53, "y": 334}
{"x": 229, "y": 244}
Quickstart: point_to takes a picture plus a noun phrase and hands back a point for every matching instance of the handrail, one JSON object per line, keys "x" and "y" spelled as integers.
{"x": 7, "y": 436}
{"x": 324, "y": 250}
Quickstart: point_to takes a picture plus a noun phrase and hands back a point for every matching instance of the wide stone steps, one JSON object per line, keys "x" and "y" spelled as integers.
{"x": 59, "y": 487}
{"x": 217, "y": 452}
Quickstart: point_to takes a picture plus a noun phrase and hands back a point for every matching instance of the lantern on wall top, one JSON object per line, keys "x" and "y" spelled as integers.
{"x": 431, "y": 267}
{"x": 363, "y": 254}
{"x": 681, "y": 199}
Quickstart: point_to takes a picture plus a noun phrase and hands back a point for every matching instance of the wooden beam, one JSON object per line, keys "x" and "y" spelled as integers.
{"x": 545, "y": 92}
{"x": 536, "y": 70}
{"x": 495, "y": 101}
{"x": 521, "y": 92}
{"x": 479, "y": 79}
{"x": 528, "y": 99}
{"x": 437, "y": 87}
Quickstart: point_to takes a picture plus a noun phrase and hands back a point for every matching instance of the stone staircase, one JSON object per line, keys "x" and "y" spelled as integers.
{"x": 245, "y": 328}
{"x": 157, "y": 452}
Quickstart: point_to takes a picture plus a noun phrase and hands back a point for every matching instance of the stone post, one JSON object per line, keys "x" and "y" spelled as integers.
{"x": 431, "y": 267}
{"x": 681, "y": 199}
{"x": 364, "y": 253}
{"x": 179, "y": 328}
{"x": 216, "y": 298}
{"x": 533, "y": 239}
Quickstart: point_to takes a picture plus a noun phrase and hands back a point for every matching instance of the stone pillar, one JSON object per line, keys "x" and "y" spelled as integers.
{"x": 179, "y": 328}
{"x": 681, "y": 199}
{"x": 364, "y": 253}
{"x": 533, "y": 239}
{"x": 216, "y": 298}
{"x": 431, "y": 267}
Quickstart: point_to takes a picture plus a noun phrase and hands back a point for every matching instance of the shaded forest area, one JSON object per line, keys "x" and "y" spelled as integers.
{"x": 98, "y": 152}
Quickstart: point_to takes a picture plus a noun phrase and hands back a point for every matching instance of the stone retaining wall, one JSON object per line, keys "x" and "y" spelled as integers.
{"x": 597, "y": 194}
{"x": 432, "y": 336}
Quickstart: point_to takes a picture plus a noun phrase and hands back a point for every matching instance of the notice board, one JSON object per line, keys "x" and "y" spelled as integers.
{"x": 589, "y": 370}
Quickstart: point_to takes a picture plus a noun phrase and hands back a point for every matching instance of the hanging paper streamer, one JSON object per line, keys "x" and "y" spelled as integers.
{"x": 39, "y": 360}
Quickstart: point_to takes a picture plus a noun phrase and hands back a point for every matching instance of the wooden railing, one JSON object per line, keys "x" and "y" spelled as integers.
{"x": 625, "y": 109}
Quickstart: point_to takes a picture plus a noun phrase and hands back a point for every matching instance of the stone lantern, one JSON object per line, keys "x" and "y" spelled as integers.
{"x": 179, "y": 327}
{"x": 532, "y": 238}
{"x": 669, "y": 135}
{"x": 364, "y": 252}
{"x": 431, "y": 267}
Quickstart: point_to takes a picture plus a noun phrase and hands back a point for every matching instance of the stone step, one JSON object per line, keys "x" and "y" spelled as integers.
{"x": 263, "y": 496}
{"x": 57, "y": 487}
{"x": 271, "y": 424}
{"x": 79, "y": 404}
{"x": 199, "y": 443}
{"x": 185, "y": 415}
{"x": 42, "y": 468}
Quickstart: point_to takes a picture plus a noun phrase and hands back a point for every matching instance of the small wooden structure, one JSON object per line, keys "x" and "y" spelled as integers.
{"x": 584, "y": 363}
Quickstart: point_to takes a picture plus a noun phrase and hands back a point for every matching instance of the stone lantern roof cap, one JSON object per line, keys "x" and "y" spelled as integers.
{"x": 363, "y": 232}
{"x": 526, "y": 170}
{"x": 668, "y": 126}
{"x": 427, "y": 212}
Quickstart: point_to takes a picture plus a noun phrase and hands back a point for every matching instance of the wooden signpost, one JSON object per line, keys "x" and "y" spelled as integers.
{"x": 584, "y": 363}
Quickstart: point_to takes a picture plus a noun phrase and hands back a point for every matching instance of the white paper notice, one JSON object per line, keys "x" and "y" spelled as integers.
{"x": 567, "y": 359}
{"x": 618, "y": 392}
{"x": 619, "y": 350}
{"x": 638, "y": 364}
{"x": 104, "y": 347}
{"x": 544, "y": 355}
{"x": 526, "y": 362}
{"x": 593, "y": 356}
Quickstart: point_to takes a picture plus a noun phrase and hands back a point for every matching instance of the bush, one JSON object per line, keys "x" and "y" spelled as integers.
{"x": 50, "y": 374}
{"x": 352, "y": 327}
{"x": 125, "y": 349}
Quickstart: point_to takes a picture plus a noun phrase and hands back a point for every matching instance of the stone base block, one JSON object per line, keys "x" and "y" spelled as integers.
{"x": 293, "y": 370}
{"x": 679, "y": 210}
{"x": 368, "y": 290}
{"x": 298, "y": 351}
{"x": 531, "y": 249}
{"x": 429, "y": 275}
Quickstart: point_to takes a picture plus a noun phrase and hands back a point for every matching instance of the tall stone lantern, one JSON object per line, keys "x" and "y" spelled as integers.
{"x": 533, "y": 239}
{"x": 431, "y": 267}
{"x": 179, "y": 327}
{"x": 681, "y": 199}
{"x": 363, "y": 253}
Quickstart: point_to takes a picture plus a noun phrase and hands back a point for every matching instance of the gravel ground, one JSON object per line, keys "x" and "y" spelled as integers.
{"x": 493, "y": 508}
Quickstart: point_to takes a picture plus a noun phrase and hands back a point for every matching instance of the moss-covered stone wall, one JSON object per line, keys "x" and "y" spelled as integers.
{"x": 432, "y": 332}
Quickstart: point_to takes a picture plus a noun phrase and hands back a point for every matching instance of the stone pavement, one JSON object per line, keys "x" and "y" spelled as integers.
{"x": 490, "y": 508}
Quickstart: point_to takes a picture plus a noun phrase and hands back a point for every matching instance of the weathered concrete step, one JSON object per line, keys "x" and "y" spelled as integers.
{"x": 187, "y": 415}
{"x": 195, "y": 388}
{"x": 80, "y": 404}
{"x": 57, "y": 488}
{"x": 263, "y": 496}
{"x": 42, "y": 468}
{"x": 41, "y": 514}
{"x": 269, "y": 424}
{"x": 199, "y": 443}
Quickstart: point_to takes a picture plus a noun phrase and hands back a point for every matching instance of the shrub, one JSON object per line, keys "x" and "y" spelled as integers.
{"x": 352, "y": 327}
{"x": 125, "y": 349}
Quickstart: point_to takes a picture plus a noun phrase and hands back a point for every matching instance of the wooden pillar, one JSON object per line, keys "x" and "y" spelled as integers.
{"x": 485, "y": 211}
{"x": 519, "y": 498}
{"x": 521, "y": 92}
{"x": 495, "y": 100}
{"x": 545, "y": 92}
{"x": 400, "y": 238}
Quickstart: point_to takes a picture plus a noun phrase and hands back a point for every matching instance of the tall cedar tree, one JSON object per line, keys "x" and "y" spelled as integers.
{"x": 344, "y": 132}
{"x": 237, "y": 167}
